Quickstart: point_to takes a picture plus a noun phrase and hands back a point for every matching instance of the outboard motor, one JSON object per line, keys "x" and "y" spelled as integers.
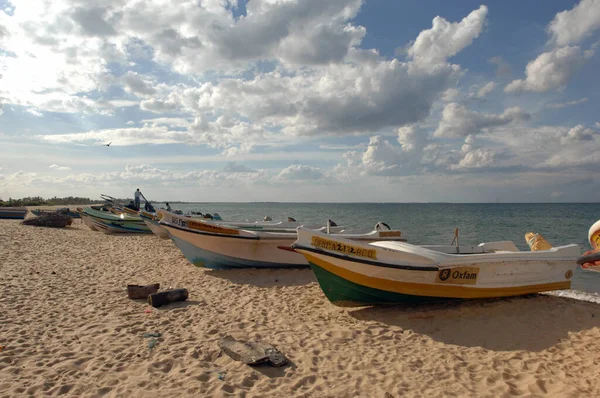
{"x": 267, "y": 218}
{"x": 332, "y": 223}
{"x": 381, "y": 226}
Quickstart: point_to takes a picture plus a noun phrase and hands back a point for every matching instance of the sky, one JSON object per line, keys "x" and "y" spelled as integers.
{"x": 301, "y": 100}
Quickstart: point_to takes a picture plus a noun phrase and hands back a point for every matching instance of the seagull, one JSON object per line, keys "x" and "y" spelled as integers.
{"x": 108, "y": 144}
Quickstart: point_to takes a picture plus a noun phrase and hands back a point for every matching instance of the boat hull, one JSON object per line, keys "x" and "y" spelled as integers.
{"x": 156, "y": 228}
{"x": 346, "y": 283}
{"x": 89, "y": 221}
{"x": 109, "y": 223}
{"x": 115, "y": 227}
{"x": 13, "y": 213}
{"x": 223, "y": 252}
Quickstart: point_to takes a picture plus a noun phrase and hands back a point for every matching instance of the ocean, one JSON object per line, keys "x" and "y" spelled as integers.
{"x": 434, "y": 223}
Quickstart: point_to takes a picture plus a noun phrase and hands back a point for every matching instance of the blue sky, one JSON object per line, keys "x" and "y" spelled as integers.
{"x": 345, "y": 100}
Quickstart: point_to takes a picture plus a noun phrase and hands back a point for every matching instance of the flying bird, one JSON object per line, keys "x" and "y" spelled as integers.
{"x": 108, "y": 144}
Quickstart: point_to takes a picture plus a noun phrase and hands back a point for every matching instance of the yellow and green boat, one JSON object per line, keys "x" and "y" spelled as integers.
{"x": 353, "y": 273}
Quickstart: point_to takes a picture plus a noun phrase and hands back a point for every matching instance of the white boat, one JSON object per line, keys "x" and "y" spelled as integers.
{"x": 216, "y": 246}
{"x": 289, "y": 225}
{"x": 356, "y": 273}
{"x": 151, "y": 221}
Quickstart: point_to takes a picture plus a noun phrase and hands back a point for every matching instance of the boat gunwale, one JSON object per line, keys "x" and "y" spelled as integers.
{"x": 368, "y": 262}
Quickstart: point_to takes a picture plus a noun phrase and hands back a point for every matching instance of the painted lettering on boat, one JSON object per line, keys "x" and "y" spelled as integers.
{"x": 202, "y": 226}
{"x": 389, "y": 234}
{"x": 343, "y": 248}
{"x": 460, "y": 275}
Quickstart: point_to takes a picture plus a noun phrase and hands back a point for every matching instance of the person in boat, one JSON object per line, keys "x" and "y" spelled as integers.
{"x": 136, "y": 196}
{"x": 132, "y": 205}
{"x": 168, "y": 206}
{"x": 149, "y": 208}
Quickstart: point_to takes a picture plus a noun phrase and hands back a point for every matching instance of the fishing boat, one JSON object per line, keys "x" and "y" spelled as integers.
{"x": 289, "y": 225}
{"x": 113, "y": 223}
{"x": 354, "y": 273}
{"x": 87, "y": 220}
{"x": 151, "y": 221}
{"x": 219, "y": 246}
{"x": 14, "y": 213}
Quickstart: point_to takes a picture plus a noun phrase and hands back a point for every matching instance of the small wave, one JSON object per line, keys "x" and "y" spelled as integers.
{"x": 576, "y": 295}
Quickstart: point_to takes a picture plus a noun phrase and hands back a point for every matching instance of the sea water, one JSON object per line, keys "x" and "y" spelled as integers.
{"x": 434, "y": 223}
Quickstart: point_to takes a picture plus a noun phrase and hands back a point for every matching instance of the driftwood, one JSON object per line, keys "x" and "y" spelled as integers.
{"x": 168, "y": 296}
{"x": 141, "y": 291}
{"x": 53, "y": 220}
{"x": 252, "y": 353}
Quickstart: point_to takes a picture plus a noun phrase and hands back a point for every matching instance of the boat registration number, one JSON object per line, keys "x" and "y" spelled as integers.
{"x": 343, "y": 248}
{"x": 458, "y": 276}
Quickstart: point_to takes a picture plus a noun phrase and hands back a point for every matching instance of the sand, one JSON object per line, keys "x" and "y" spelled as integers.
{"x": 68, "y": 328}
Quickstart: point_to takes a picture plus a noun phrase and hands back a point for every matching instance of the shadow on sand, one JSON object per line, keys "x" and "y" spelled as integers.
{"x": 274, "y": 372}
{"x": 531, "y": 323}
{"x": 266, "y": 277}
{"x": 178, "y": 304}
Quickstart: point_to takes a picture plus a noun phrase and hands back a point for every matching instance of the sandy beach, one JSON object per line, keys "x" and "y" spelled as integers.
{"x": 69, "y": 329}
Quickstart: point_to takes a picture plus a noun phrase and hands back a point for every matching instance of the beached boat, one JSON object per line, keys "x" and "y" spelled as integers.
{"x": 151, "y": 221}
{"x": 218, "y": 246}
{"x": 356, "y": 274}
{"x": 14, "y": 213}
{"x": 289, "y": 225}
{"x": 113, "y": 223}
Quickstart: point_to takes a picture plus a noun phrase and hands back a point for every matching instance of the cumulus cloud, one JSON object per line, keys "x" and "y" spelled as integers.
{"x": 57, "y": 167}
{"x": 550, "y": 70}
{"x": 319, "y": 81}
{"x": 137, "y": 85}
{"x": 383, "y": 158}
{"x": 159, "y": 106}
{"x": 572, "y": 26}
{"x": 300, "y": 172}
{"x": 458, "y": 121}
{"x": 578, "y": 133}
{"x": 446, "y": 39}
{"x": 473, "y": 156}
{"x": 35, "y": 112}
{"x": 553, "y": 69}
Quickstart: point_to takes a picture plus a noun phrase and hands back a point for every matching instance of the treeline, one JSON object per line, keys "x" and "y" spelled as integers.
{"x": 39, "y": 201}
